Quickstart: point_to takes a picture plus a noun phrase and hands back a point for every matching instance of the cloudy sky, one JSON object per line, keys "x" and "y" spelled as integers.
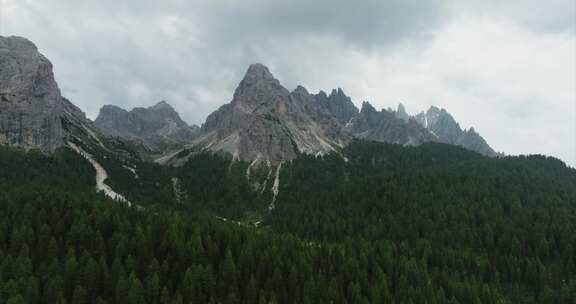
{"x": 507, "y": 68}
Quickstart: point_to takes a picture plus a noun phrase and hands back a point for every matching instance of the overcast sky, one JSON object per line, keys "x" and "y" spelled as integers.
{"x": 507, "y": 68}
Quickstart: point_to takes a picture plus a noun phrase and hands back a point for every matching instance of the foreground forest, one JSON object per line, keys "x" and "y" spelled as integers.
{"x": 378, "y": 224}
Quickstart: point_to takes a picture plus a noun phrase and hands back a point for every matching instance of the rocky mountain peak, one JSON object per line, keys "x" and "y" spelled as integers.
{"x": 25, "y": 74}
{"x": 300, "y": 90}
{"x": 158, "y": 127}
{"x": 257, "y": 72}
{"x": 401, "y": 113}
{"x": 337, "y": 104}
{"x": 337, "y": 93}
{"x": 162, "y": 105}
{"x": 164, "y": 111}
{"x": 111, "y": 109}
{"x": 367, "y": 107}
{"x": 264, "y": 122}
{"x": 258, "y": 87}
{"x": 385, "y": 126}
{"x": 447, "y": 130}
{"x": 33, "y": 113}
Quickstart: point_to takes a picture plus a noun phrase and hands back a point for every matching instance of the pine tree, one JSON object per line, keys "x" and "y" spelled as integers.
{"x": 136, "y": 291}
{"x": 79, "y": 296}
{"x": 122, "y": 289}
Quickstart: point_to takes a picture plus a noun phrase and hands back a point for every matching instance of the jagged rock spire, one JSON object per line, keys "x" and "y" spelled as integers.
{"x": 401, "y": 113}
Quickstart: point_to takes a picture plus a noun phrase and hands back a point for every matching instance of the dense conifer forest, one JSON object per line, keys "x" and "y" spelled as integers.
{"x": 377, "y": 224}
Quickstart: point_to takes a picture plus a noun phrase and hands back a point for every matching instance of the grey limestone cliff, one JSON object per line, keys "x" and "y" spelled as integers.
{"x": 33, "y": 113}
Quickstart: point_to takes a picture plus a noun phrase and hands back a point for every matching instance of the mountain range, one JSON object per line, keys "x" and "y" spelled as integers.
{"x": 263, "y": 123}
{"x": 266, "y": 123}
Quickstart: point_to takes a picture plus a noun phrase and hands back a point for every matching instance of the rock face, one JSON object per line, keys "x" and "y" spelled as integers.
{"x": 265, "y": 121}
{"x": 33, "y": 114}
{"x": 337, "y": 104}
{"x": 386, "y": 126}
{"x": 158, "y": 126}
{"x": 440, "y": 123}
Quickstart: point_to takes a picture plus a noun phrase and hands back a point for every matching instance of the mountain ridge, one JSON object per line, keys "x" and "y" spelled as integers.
{"x": 263, "y": 123}
{"x": 156, "y": 126}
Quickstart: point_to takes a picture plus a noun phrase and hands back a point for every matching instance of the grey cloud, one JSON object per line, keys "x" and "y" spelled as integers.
{"x": 372, "y": 23}
{"x": 550, "y": 16}
{"x": 184, "y": 49}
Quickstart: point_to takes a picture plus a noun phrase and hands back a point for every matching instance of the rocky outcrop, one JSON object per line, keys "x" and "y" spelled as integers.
{"x": 158, "y": 127}
{"x": 440, "y": 123}
{"x": 33, "y": 114}
{"x": 385, "y": 126}
{"x": 337, "y": 104}
{"x": 265, "y": 121}
{"x": 30, "y": 101}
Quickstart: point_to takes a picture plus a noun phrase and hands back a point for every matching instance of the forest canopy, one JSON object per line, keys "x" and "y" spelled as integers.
{"x": 378, "y": 223}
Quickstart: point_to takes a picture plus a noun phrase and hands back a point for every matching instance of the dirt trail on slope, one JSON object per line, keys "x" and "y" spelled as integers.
{"x": 101, "y": 175}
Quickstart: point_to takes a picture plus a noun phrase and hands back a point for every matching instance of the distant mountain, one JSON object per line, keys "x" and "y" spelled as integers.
{"x": 158, "y": 127}
{"x": 266, "y": 122}
{"x": 33, "y": 113}
{"x": 386, "y": 126}
{"x": 442, "y": 125}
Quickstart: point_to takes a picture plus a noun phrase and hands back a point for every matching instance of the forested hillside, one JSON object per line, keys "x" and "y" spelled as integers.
{"x": 378, "y": 224}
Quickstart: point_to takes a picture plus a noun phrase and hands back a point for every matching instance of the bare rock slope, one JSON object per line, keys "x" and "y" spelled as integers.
{"x": 267, "y": 122}
{"x": 33, "y": 113}
{"x": 442, "y": 125}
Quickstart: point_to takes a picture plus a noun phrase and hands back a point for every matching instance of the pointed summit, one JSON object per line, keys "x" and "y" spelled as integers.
{"x": 367, "y": 107}
{"x": 257, "y": 72}
{"x": 447, "y": 130}
{"x": 265, "y": 122}
{"x": 401, "y": 113}
{"x": 300, "y": 90}
{"x": 338, "y": 104}
{"x": 161, "y": 105}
